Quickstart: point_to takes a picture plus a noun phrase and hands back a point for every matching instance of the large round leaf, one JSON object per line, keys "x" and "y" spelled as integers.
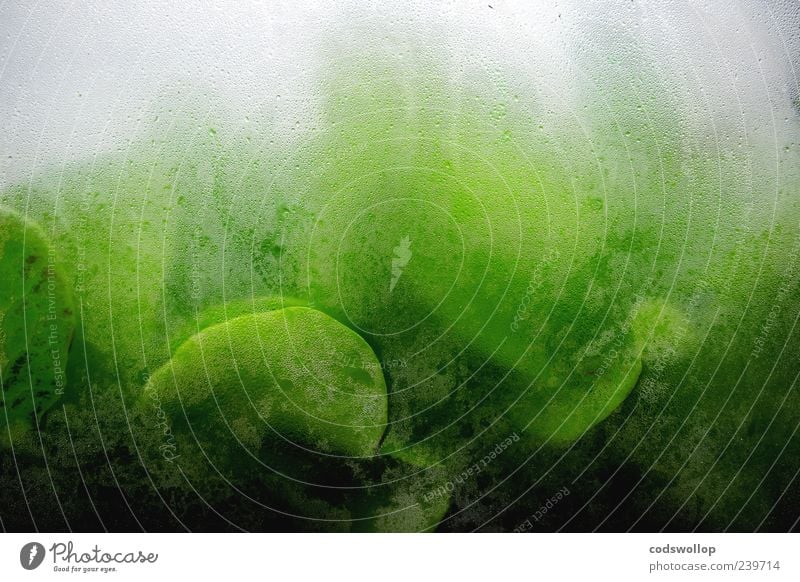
{"x": 291, "y": 375}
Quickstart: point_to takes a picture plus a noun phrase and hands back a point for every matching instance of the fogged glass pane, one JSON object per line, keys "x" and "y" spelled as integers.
{"x": 361, "y": 267}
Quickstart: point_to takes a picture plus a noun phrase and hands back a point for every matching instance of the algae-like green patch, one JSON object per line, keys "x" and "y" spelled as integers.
{"x": 36, "y": 325}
